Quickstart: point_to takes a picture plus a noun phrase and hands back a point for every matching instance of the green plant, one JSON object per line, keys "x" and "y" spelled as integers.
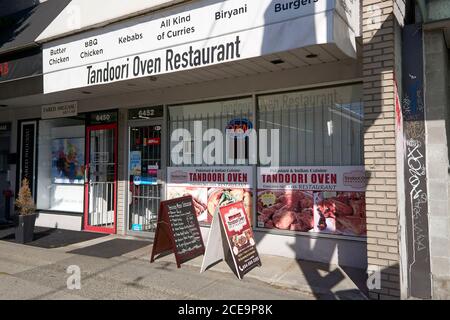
{"x": 24, "y": 201}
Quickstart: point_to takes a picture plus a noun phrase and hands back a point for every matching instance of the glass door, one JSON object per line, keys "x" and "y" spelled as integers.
{"x": 101, "y": 177}
{"x": 144, "y": 170}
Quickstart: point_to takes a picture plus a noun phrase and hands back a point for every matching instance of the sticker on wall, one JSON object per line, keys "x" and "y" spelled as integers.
{"x": 137, "y": 180}
{"x": 239, "y": 127}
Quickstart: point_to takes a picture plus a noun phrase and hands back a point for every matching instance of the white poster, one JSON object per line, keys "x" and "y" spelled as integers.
{"x": 198, "y": 34}
{"x": 211, "y": 187}
{"x": 326, "y": 178}
{"x": 67, "y": 198}
{"x": 312, "y": 199}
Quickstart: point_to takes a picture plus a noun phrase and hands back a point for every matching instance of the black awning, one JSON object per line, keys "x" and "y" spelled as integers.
{"x": 19, "y": 30}
{"x": 25, "y": 63}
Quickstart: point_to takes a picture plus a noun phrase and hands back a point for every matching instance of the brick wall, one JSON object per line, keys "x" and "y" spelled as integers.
{"x": 122, "y": 172}
{"x": 379, "y": 57}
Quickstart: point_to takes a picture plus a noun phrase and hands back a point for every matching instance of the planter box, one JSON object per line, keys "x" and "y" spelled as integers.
{"x": 24, "y": 227}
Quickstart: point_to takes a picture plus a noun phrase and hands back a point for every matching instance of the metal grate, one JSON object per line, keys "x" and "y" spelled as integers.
{"x": 320, "y": 135}
{"x": 144, "y": 197}
{"x": 210, "y": 120}
{"x": 101, "y": 178}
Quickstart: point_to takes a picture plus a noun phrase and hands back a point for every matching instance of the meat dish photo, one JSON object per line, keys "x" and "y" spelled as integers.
{"x": 341, "y": 212}
{"x": 223, "y": 196}
{"x": 285, "y": 210}
{"x": 199, "y": 199}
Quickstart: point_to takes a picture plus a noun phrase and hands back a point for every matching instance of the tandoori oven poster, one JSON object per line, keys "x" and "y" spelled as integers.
{"x": 312, "y": 199}
{"x": 211, "y": 187}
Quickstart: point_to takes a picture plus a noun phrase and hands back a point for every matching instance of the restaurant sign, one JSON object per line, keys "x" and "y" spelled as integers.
{"x": 198, "y": 34}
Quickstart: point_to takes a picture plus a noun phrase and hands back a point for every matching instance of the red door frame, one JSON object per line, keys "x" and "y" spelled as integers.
{"x": 87, "y": 227}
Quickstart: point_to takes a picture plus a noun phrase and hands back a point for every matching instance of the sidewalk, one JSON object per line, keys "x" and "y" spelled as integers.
{"x": 324, "y": 281}
{"x": 313, "y": 278}
{"x": 309, "y": 279}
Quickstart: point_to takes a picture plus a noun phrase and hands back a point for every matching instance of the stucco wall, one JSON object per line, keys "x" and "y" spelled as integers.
{"x": 436, "y": 103}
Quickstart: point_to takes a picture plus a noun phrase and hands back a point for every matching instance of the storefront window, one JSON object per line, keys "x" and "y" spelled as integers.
{"x": 208, "y": 178}
{"x": 322, "y": 127}
{"x": 320, "y": 184}
{"x": 61, "y": 163}
{"x": 198, "y": 118}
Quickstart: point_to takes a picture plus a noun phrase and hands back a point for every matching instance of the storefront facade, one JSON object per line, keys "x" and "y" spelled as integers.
{"x": 284, "y": 105}
{"x": 20, "y": 77}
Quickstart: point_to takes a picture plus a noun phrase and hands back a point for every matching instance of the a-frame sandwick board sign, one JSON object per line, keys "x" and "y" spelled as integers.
{"x": 231, "y": 234}
{"x": 178, "y": 231}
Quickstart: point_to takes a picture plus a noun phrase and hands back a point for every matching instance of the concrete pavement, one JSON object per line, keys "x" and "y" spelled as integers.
{"x": 28, "y": 272}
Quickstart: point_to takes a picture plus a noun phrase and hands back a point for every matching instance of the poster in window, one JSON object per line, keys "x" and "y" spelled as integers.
{"x": 68, "y": 160}
{"x": 212, "y": 187}
{"x": 135, "y": 163}
{"x": 312, "y": 199}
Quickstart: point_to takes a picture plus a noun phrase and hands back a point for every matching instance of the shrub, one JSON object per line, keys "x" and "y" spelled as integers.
{"x": 25, "y": 202}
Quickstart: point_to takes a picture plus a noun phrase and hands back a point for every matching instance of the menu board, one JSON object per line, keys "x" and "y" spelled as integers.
{"x": 240, "y": 237}
{"x": 231, "y": 235}
{"x": 178, "y": 230}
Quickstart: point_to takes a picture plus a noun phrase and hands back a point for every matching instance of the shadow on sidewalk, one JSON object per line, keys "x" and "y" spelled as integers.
{"x": 52, "y": 238}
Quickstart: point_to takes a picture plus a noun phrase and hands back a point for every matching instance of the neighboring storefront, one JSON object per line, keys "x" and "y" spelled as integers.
{"x": 20, "y": 78}
{"x": 67, "y": 155}
{"x": 149, "y": 103}
{"x": 425, "y": 111}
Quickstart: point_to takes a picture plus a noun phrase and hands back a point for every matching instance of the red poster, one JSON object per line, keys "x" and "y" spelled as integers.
{"x": 240, "y": 237}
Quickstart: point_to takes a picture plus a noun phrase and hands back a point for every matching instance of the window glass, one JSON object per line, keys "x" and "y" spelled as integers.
{"x": 220, "y": 115}
{"x": 322, "y": 127}
{"x": 61, "y": 163}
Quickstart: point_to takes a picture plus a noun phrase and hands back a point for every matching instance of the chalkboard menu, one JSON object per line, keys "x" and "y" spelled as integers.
{"x": 178, "y": 230}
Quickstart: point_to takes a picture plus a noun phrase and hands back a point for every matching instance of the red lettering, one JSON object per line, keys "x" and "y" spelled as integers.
{"x": 334, "y": 178}
{"x": 321, "y": 177}
{"x": 294, "y": 178}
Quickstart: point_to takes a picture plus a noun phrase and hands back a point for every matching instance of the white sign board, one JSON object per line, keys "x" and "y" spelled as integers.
{"x": 212, "y": 177}
{"x": 317, "y": 178}
{"x": 201, "y": 33}
{"x": 216, "y": 248}
{"x": 59, "y": 110}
